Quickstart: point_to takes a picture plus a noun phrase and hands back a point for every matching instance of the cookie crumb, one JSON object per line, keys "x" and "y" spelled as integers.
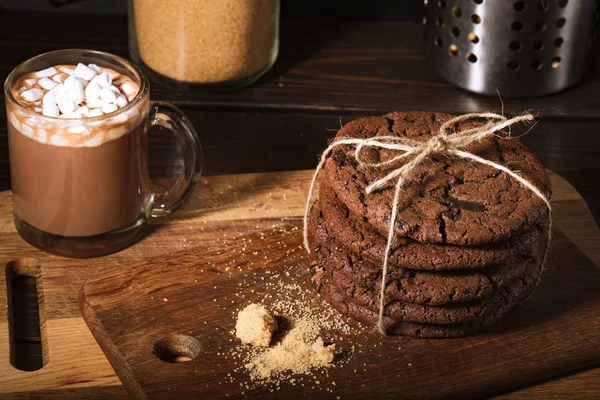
{"x": 255, "y": 325}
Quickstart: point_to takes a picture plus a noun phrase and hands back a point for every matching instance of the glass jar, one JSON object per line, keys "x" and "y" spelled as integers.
{"x": 219, "y": 44}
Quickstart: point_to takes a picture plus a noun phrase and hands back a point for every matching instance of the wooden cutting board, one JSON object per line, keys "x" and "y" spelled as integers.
{"x": 167, "y": 285}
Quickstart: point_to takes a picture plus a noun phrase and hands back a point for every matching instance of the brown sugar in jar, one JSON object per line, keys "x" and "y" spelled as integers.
{"x": 220, "y": 43}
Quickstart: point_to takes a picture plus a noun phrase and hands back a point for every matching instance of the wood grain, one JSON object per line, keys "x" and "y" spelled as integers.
{"x": 552, "y": 333}
{"x": 220, "y": 204}
{"x": 281, "y": 123}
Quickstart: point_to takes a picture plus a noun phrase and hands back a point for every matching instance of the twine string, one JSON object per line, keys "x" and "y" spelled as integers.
{"x": 449, "y": 142}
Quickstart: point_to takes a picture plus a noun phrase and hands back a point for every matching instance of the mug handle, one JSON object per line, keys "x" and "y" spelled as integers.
{"x": 173, "y": 119}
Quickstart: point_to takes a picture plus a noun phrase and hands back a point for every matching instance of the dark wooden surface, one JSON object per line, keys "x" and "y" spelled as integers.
{"x": 328, "y": 72}
{"x": 554, "y": 332}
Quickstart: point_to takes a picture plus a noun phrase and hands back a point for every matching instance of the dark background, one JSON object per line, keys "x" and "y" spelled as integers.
{"x": 402, "y": 10}
{"x": 340, "y": 59}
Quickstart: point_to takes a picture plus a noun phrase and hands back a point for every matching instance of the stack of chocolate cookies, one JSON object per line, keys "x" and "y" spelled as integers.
{"x": 469, "y": 243}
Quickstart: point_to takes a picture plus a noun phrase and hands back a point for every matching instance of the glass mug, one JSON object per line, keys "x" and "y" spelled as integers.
{"x": 81, "y": 186}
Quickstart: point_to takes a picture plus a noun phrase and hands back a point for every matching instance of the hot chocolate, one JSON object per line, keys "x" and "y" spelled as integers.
{"x": 83, "y": 173}
{"x": 77, "y": 133}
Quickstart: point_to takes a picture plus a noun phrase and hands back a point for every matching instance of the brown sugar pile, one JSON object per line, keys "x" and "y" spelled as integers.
{"x": 255, "y": 325}
{"x": 299, "y": 351}
{"x": 206, "y": 41}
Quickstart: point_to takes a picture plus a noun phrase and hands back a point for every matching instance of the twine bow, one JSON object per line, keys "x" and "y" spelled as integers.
{"x": 447, "y": 142}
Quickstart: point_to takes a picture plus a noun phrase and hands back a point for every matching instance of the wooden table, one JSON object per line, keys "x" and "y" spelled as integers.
{"x": 328, "y": 73}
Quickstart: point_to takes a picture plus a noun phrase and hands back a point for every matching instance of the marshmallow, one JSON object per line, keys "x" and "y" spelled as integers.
{"x": 76, "y": 129}
{"x": 128, "y": 88}
{"x": 59, "y": 78}
{"x": 108, "y": 95}
{"x": 26, "y": 130}
{"x": 70, "y": 115}
{"x": 84, "y": 72}
{"x": 42, "y": 135}
{"x": 92, "y": 91}
{"x": 103, "y": 80}
{"x": 15, "y": 121}
{"x": 115, "y": 89}
{"x": 30, "y": 81}
{"x": 49, "y": 107}
{"x": 32, "y": 94}
{"x": 83, "y": 111}
{"x": 38, "y": 109}
{"x": 95, "y": 103}
{"x": 64, "y": 104}
{"x": 121, "y": 101}
{"x": 33, "y": 121}
{"x": 108, "y": 108}
{"x": 59, "y": 140}
{"x": 67, "y": 71}
{"x": 74, "y": 88}
{"x": 117, "y": 132}
{"x": 50, "y": 110}
{"x": 83, "y": 82}
{"x": 93, "y": 141}
{"x": 50, "y": 97}
{"x": 46, "y": 72}
{"x": 95, "y": 68}
{"x": 95, "y": 113}
{"x": 47, "y": 83}
{"x": 58, "y": 88}
{"x": 21, "y": 89}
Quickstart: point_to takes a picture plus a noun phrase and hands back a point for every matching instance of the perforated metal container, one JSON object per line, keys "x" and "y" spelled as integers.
{"x": 519, "y": 48}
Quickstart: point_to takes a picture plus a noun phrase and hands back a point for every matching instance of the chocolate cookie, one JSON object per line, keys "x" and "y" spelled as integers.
{"x": 338, "y": 301}
{"x": 361, "y": 238}
{"x": 515, "y": 291}
{"x": 448, "y": 200}
{"x": 412, "y": 286}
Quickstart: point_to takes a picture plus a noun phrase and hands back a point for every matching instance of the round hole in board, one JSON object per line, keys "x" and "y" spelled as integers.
{"x": 540, "y": 26}
{"x": 560, "y": 22}
{"x": 441, "y": 23}
{"x": 456, "y": 11}
{"x": 477, "y": 1}
{"x": 473, "y": 38}
{"x": 513, "y": 65}
{"x": 556, "y": 62}
{"x": 514, "y": 46}
{"x": 442, "y": 3}
{"x": 536, "y": 65}
{"x": 176, "y": 349}
{"x": 517, "y": 26}
{"x": 455, "y": 31}
{"x": 438, "y": 42}
{"x": 519, "y": 6}
{"x": 453, "y": 49}
{"x": 537, "y": 45}
{"x": 563, "y": 3}
{"x": 558, "y": 42}
{"x": 542, "y": 5}
{"x": 476, "y": 19}
{"x": 471, "y": 57}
